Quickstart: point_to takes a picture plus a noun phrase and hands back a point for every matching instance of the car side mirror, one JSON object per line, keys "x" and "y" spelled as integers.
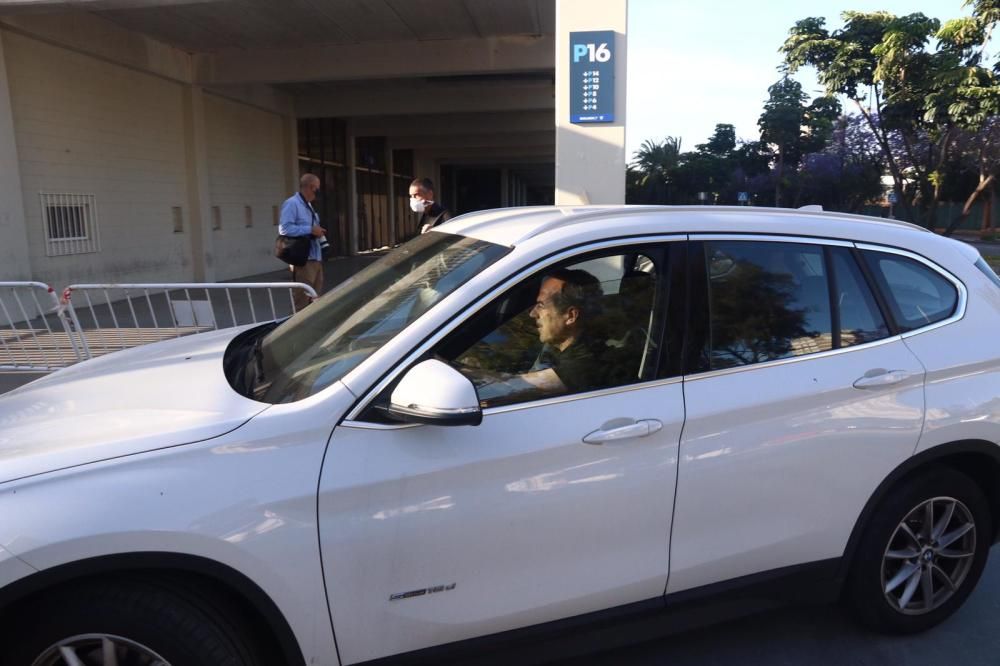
{"x": 435, "y": 393}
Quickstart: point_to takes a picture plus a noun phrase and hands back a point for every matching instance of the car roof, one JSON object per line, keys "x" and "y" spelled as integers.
{"x": 512, "y": 226}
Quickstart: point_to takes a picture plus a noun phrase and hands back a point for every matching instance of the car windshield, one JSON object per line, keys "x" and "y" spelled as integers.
{"x": 328, "y": 339}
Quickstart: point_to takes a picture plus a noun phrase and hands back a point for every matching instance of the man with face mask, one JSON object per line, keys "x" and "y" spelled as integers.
{"x": 422, "y": 202}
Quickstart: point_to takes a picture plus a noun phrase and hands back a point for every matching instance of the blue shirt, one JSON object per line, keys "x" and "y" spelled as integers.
{"x": 297, "y": 219}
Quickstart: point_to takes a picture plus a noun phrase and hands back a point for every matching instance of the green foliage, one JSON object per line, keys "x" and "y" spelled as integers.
{"x": 914, "y": 99}
{"x": 652, "y": 167}
{"x": 721, "y": 143}
{"x": 784, "y": 116}
{"x": 927, "y": 98}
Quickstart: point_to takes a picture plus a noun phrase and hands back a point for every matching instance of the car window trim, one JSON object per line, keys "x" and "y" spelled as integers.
{"x": 770, "y": 238}
{"x": 707, "y": 374}
{"x": 873, "y": 286}
{"x": 530, "y": 404}
{"x": 895, "y": 336}
{"x": 700, "y": 301}
{"x": 697, "y": 320}
{"x": 963, "y": 294}
{"x": 832, "y": 290}
{"x": 353, "y": 415}
{"x": 699, "y": 306}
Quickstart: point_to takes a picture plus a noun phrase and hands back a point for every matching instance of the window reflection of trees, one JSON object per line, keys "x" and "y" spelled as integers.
{"x": 753, "y": 316}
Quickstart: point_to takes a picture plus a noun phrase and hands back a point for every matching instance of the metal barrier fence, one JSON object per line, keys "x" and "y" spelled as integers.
{"x": 110, "y": 317}
{"x": 40, "y": 332}
{"x": 35, "y": 335}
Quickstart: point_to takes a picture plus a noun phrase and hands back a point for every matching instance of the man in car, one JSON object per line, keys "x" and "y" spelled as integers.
{"x": 570, "y": 360}
{"x": 567, "y": 303}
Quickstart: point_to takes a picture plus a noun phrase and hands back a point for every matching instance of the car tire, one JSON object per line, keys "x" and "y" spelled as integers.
{"x": 922, "y": 553}
{"x": 145, "y": 620}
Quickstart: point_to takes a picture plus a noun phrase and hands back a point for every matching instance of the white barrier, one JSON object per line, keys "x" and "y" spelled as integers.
{"x": 35, "y": 333}
{"x": 110, "y": 317}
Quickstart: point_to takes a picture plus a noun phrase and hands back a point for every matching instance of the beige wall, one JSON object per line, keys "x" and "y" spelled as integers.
{"x": 83, "y": 125}
{"x": 245, "y": 168}
{"x": 86, "y": 126}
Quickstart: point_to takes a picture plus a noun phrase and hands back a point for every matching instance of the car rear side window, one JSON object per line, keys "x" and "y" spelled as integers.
{"x": 917, "y": 295}
{"x": 767, "y": 300}
{"x": 861, "y": 320}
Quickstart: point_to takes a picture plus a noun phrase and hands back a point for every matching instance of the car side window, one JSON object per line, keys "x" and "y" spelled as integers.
{"x": 917, "y": 295}
{"x": 767, "y": 300}
{"x": 579, "y": 326}
{"x": 861, "y": 320}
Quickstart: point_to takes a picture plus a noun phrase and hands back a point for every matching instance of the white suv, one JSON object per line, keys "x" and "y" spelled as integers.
{"x": 523, "y": 417}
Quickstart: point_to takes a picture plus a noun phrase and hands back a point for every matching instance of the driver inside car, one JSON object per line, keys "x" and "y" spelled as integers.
{"x": 567, "y": 304}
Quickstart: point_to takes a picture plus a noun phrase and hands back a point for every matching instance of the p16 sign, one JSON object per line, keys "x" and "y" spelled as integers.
{"x": 592, "y": 76}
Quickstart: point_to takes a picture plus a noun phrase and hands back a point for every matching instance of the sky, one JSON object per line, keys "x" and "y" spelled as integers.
{"x": 692, "y": 64}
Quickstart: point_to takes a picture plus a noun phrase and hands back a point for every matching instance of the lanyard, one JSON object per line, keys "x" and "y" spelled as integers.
{"x": 315, "y": 215}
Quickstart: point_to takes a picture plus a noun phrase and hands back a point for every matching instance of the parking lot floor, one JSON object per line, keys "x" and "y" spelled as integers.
{"x": 825, "y": 636}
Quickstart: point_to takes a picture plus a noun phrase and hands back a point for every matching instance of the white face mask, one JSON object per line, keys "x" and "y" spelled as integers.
{"x": 417, "y": 205}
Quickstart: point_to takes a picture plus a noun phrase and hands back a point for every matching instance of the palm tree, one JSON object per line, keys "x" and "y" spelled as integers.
{"x": 655, "y": 163}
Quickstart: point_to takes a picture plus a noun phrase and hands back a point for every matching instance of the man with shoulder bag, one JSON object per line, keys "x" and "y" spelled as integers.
{"x": 301, "y": 239}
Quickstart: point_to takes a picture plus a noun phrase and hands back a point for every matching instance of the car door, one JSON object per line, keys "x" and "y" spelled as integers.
{"x": 553, "y": 507}
{"x": 800, "y": 400}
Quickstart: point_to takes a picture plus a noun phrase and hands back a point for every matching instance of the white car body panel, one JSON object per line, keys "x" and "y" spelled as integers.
{"x": 12, "y": 568}
{"x": 245, "y": 499}
{"x": 139, "y": 400}
{"x": 963, "y": 377}
{"x": 754, "y": 443}
{"x": 526, "y": 521}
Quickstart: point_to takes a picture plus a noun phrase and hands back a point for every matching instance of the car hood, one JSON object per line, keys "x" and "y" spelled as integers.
{"x": 141, "y": 399}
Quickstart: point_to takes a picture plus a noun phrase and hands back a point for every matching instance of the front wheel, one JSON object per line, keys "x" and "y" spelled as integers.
{"x": 922, "y": 554}
{"x": 131, "y": 620}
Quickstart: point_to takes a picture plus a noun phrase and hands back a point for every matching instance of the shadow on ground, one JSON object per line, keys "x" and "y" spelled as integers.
{"x": 825, "y": 636}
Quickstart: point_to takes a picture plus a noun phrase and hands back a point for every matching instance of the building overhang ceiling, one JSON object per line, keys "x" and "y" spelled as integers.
{"x": 213, "y": 26}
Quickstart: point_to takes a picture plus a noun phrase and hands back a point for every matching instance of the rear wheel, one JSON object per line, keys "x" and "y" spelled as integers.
{"x": 922, "y": 553}
{"x": 130, "y": 621}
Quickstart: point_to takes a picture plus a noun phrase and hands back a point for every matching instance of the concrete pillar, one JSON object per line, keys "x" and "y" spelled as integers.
{"x": 352, "y": 188}
{"x": 15, "y": 262}
{"x": 290, "y": 141}
{"x": 199, "y": 206}
{"x": 390, "y": 192}
{"x": 590, "y": 158}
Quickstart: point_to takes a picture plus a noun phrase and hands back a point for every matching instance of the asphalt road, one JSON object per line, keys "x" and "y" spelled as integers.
{"x": 826, "y": 636}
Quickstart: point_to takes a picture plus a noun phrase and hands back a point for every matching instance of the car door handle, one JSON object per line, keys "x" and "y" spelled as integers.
{"x": 878, "y": 378}
{"x": 618, "y": 429}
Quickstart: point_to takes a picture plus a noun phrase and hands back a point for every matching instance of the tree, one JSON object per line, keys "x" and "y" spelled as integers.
{"x": 712, "y": 168}
{"x": 879, "y": 62}
{"x": 966, "y": 94}
{"x": 781, "y": 126}
{"x": 721, "y": 143}
{"x": 654, "y": 164}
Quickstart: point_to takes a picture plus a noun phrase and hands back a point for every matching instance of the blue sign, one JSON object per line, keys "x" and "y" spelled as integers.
{"x": 592, "y": 76}
{"x": 743, "y": 197}
{"x": 893, "y": 198}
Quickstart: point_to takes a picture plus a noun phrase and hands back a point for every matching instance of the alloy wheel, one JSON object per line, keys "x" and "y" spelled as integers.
{"x": 99, "y": 650}
{"x": 929, "y": 555}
